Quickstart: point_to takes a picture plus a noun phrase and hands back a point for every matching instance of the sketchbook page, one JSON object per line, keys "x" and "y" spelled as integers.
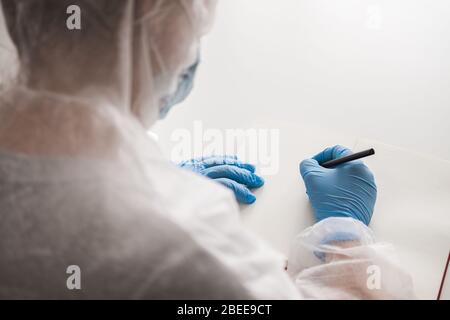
{"x": 282, "y": 208}
{"x": 412, "y": 211}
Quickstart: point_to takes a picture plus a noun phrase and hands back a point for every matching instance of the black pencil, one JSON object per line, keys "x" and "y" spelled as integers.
{"x": 351, "y": 157}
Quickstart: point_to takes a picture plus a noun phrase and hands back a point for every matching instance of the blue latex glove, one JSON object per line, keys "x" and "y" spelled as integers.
{"x": 229, "y": 171}
{"x": 347, "y": 190}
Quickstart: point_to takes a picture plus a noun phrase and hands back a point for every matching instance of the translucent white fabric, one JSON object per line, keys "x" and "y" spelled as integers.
{"x": 127, "y": 54}
{"x": 361, "y": 268}
{"x": 83, "y": 184}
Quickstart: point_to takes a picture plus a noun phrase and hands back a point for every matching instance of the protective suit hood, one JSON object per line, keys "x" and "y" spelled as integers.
{"x": 126, "y": 54}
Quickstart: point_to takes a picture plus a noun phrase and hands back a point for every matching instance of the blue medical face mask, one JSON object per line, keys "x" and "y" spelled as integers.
{"x": 184, "y": 87}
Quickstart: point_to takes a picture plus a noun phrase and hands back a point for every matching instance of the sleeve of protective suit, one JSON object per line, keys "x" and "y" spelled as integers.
{"x": 208, "y": 213}
{"x": 338, "y": 258}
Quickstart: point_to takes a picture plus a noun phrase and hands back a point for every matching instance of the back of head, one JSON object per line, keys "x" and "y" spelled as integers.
{"x": 128, "y": 53}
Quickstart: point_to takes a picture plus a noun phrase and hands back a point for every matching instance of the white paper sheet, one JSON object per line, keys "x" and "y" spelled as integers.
{"x": 282, "y": 209}
{"x": 413, "y": 211}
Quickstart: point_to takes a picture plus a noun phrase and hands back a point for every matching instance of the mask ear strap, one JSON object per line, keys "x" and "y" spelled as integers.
{"x": 158, "y": 58}
{"x": 9, "y": 60}
{"x": 156, "y": 7}
{"x": 188, "y": 14}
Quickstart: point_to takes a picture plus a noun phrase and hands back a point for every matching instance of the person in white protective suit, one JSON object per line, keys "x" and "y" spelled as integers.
{"x": 82, "y": 184}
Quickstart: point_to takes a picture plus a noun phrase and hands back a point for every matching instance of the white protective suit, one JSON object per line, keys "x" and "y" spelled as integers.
{"x": 82, "y": 184}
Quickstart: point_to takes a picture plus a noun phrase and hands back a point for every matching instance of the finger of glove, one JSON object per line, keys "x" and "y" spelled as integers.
{"x": 332, "y": 153}
{"x": 227, "y": 160}
{"x": 310, "y": 166}
{"x": 240, "y": 175}
{"x": 200, "y": 161}
{"x": 241, "y": 192}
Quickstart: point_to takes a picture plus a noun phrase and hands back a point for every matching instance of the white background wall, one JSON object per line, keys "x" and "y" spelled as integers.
{"x": 377, "y": 69}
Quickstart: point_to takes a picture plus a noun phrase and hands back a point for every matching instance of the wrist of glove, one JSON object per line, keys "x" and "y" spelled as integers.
{"x": 229, "y": 171}
{"x": 347, "y": 190}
